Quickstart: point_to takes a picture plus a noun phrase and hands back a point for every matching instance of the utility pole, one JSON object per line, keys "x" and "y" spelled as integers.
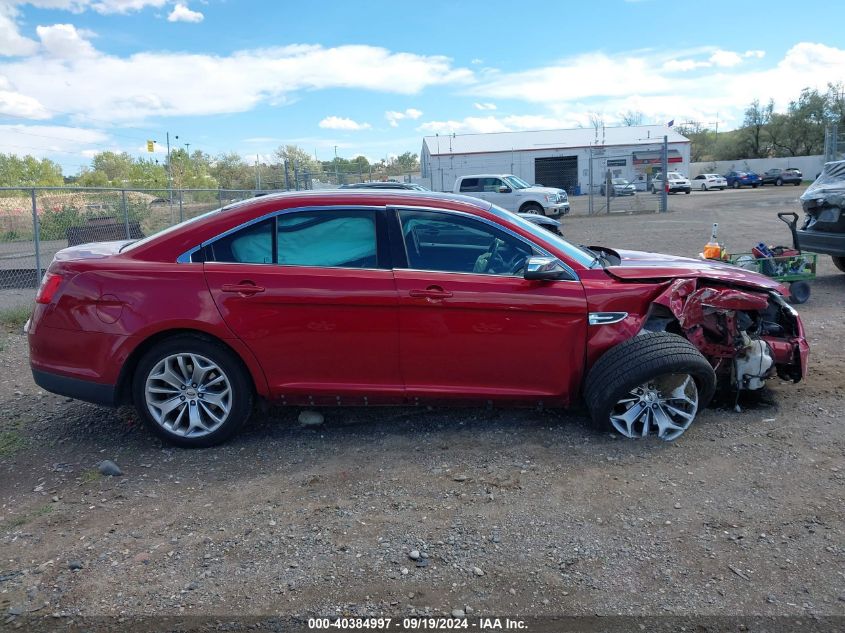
{"x": 664, "y": 165}
{"x": 257, "y": 174}
{"x": 169, "y": 174}
{"x": 336, "y": 175}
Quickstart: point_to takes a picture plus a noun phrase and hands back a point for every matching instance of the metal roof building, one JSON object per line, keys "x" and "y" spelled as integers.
{"x": 554, "y": 158}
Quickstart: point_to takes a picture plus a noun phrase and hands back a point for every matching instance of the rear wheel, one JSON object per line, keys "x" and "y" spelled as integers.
{"x": 779, "y": 182}
{"x": 839, "y": 262}
{"x": 797, "y": 182}
{"x": 652, "y": 384}
{"x": 704, "y": 186}
{"x": 192, "y": 392}
{"x": 532, "y": 207}
{"x": 736, "y": 184}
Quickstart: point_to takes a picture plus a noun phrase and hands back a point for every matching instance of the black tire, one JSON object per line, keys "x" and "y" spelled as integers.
{"x": 799, "y": 292}
{"x": 240, "y": 384}
{"x": 637, "y": 361}
{"x": 839, "y": 262}
{"x": 736, "y": 184}
{"x": 688, "y": 191}
{"x": 797, "y": 182}
{"x": 779, "y": 182}
{"x": 754, "y": 186}
{"x": 532, "y": 207}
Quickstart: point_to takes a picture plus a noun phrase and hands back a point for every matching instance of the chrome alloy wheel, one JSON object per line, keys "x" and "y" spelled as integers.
{"x": 665, "y": 405}
{"x": 188, "y": 395}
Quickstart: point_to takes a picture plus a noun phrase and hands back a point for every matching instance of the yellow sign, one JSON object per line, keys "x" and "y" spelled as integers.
{"x": 150, "y": 145}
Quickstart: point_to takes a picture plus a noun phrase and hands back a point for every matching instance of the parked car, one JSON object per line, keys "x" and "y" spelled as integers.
{"x": 677, "y": 183}
{"x": 706, "y": 182}
{"x": 620, "y": 187}
{"x": 550, "y": 224}
{"x": 378, "y": 184}
{"x": 777, "y": 176}
{"x": 737, "y": 179}
{"x": 362, "y": 298}
{"x": 823, "y": 202}
{"x": 514, "y": 194}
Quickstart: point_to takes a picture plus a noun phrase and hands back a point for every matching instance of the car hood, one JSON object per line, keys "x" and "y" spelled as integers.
{"x": 638, "y": 265}
{"x": 542, "y": 190}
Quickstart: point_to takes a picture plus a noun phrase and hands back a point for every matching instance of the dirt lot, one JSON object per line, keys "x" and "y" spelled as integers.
{"x": 513, "y": 512}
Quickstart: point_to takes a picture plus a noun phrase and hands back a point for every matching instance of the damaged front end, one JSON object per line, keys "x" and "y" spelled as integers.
{"x": 747, "y": 335}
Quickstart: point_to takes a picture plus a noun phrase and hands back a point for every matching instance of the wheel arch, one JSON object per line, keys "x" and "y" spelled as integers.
{"x": 531, "y": 204}
{"x": 123, "y": 392}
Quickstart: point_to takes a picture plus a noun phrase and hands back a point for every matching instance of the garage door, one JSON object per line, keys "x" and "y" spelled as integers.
{"x": 560, "y": 172}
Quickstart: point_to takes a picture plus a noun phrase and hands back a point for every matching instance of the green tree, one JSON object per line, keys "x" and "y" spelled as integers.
{"x": 231, "y": 172}
{"x": 29, "y": 171}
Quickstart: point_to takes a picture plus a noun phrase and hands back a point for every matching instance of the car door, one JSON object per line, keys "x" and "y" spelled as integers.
{"x": 498, "y": 192}
{"x": 312, "y": 294}
{"x": 472, "y": 187}
{"x": 470, "y": 324}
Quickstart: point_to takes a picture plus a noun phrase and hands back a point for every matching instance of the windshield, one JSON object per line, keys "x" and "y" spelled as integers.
{"x": 580, "y": 255}
{"x": 516, "y": 183}
{"x": 620, "y": 181}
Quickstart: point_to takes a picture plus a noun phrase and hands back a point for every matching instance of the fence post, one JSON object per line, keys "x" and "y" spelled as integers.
{"x": 220, "y": 196}
{"x": 125, "y": 213}
{"x": 36, "y": 233}
{"x": 181, "y": 211}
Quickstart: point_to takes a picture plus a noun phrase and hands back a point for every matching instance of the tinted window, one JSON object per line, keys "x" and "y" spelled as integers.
{"x": 250, "y": 245}
{"x": 344, "y": 239}
{"x": 452, "y": 243}
{"x": 469, "y": 184}
{"x": 320, "y": 238}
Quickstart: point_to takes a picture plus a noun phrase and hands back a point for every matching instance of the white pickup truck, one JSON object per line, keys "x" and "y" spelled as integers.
{"x": 514, "y": 194}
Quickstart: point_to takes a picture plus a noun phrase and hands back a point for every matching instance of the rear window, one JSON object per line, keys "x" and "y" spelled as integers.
{"x": 469, "y": 184}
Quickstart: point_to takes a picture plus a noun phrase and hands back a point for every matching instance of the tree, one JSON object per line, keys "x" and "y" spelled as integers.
{"x": 632, "y": 118}
{"x": 231, "y": 172}
{"x": 754, "y": 125}
{"x": 295, "y": 155}
{"x": 408, "y": 162}
{"x": 29, "y": 171}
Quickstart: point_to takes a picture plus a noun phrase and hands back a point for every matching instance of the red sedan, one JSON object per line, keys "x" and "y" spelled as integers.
{"x": 376, "y": 297}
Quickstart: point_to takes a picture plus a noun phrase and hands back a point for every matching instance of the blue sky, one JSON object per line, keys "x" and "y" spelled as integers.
{"x": 82, "y": 76}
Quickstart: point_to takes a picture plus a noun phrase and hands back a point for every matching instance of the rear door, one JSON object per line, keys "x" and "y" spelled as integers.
{"x": 471, "y": 325}
{"x": 312, "y": 294}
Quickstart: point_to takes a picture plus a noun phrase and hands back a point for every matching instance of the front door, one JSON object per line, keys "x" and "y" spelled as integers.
{"x": 471, "y": 325}
{"x": 312, "y": 295}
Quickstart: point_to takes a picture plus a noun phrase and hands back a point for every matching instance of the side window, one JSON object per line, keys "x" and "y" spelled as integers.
{"x": 251, "y": 245}
{"x": 446, "y": 242}
{"x": 345, "y": 239}
{"x": 327, "y": 238}
{"x": 469, "y": 184}
{"x": 490, "y": 185}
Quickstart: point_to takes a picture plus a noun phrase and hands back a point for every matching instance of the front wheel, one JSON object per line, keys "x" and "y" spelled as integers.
{"x": 779, "y": 182}
{"x": 652, "y": 384}
{"x": 535, "y": 209}
{"x": 192, "y": 392}
{"x": 704, "y": 187}
{"x": 736, "y": 184}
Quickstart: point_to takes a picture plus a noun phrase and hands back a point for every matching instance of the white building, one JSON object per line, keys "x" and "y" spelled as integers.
{"x": 554, "y": 158}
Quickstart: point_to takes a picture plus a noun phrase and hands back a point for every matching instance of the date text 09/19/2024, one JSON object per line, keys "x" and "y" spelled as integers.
{"x": 418, "y": 624}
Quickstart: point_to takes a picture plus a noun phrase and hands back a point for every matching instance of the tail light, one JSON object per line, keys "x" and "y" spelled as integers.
{"x": 49, "y": 285}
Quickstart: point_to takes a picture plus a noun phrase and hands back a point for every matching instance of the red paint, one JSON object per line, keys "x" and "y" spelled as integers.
{"x": 373, "y": 336}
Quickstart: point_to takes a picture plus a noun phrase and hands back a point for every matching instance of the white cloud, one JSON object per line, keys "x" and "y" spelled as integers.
{"x": 484, "y": 106}
{"x": 47, "y": 140}
{"x": 12, "y": 103}
{"x": 393, "y": 117}
{"x": 341, "y": 123}
{"x": 64, "y": 41}
{"x": 718, "y": 58}
{"x": 725, "y": 59}
{"x": 12, "y": 43}
{"x": 181, "y": 13}
{"x": 756, "y": 54}
{"x": 108, "y": 87}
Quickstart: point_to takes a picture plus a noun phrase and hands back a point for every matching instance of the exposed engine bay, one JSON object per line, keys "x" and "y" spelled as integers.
{"x": 747, "y": 335}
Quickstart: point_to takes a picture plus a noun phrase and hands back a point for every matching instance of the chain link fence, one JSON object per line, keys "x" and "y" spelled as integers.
{"x": 624, "y": 182}
{"x": 36, "y": 223}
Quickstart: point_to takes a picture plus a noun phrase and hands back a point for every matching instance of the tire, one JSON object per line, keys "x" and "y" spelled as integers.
{"x": 704, "y": 186}
{"x": 779, "y": 182}
{"x": 736, "y": 184}
{"x": 651, "y": 359}
{"x": 688, "y": 191}
{"x": 797, "y": 182}
{"x": 205, "y": 415}
{"x": 799, "y": 292}
{"x": 839, "y": 262}
{"x": 532, "y": 207}
{"x": 754, "y": 186}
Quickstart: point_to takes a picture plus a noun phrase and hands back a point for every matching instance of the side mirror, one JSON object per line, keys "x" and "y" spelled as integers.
{"x": 544, "y": 269}
{"x": 504, "y": 189}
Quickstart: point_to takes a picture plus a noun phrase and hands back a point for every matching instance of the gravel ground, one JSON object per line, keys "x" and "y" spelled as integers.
{"x": 418, "y": 511}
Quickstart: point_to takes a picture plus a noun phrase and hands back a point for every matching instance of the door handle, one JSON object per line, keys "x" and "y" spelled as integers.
{"x": 432, "y": 292}
{"x": 244, "y": 288}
